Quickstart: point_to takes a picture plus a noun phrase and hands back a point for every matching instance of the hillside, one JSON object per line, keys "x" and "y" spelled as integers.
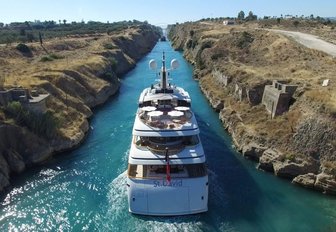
{"x": 78, "y": 73}
{"x": 235, "y": 63}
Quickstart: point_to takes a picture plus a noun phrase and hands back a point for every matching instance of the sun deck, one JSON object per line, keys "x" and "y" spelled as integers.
{"x": 165, "y": 117}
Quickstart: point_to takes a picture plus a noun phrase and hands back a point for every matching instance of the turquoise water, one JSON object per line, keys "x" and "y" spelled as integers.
{"x": 85, "y": 190}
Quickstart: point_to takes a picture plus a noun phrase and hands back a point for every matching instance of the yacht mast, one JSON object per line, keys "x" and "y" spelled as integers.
{"x": 163, "y": 73}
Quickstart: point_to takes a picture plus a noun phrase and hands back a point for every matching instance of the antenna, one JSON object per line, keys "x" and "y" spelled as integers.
{"x": 163, "y": 73}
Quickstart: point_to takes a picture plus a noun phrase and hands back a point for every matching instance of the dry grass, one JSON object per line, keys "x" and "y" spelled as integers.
{"x": 20, "y": 70}
{"x": 269, "y": 57}
{"x": 70, "y": 91}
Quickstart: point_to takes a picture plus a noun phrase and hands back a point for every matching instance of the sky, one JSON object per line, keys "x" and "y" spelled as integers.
{"x": 157, "y": 12}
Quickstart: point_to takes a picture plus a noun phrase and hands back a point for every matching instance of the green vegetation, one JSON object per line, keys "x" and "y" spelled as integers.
{"x": 296, "y": 23}
{"x": 191, "y": 44}
{"x": 50, "y": 57}
{"x": 23, "y": 48}
{"x": 251, "y": 16}
{"x": 109, "y": 46}
{"x": 113, "y": 63}
{"x": 241, "y": 15}
{"x": 244, "y": 40}
{"x": 29, "y": 31}
{"x": 41, "y": 124}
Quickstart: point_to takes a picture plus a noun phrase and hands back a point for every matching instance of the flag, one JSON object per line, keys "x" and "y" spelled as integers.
{"x": 167, "y": 167}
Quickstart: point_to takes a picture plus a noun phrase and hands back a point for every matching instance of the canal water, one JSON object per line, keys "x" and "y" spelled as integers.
{"x": 85, "y": 190}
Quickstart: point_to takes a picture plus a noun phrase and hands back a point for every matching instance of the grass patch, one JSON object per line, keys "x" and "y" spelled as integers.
{"x": 50, "y": 57}
{"x": 113, "y": 62}
{"x": 109, "y": 46}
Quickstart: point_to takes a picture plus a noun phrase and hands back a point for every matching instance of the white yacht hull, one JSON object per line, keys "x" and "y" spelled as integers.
{"x": 161, "y": 198}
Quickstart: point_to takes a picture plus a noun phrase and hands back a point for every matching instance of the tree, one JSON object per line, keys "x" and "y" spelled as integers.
{"x": 251, "y": 16}
{"x": 241, "y": 15}
{"x": 64, "y": 21}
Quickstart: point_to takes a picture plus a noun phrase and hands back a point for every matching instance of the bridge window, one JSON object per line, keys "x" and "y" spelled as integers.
{"x": 159, "y": 171}
{"x": 163, "y": 142}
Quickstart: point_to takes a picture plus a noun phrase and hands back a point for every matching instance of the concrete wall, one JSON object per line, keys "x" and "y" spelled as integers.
{"x": 221, "y": 78}
{"x": 37, "y": 107}
{"x": 240, "y": 92}
{"x": 36, "y": 104}
{"x": 276, "y": 97}
{"x": 19, "y": 94}
{"x": 255, "y": 94}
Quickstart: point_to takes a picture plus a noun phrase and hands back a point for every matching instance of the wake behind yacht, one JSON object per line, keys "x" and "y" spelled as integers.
{"x": 167, "y": 172}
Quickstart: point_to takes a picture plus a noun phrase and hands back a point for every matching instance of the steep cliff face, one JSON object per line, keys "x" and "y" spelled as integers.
{"x": 233, "y": 65}
{"x": 85, "y": 77}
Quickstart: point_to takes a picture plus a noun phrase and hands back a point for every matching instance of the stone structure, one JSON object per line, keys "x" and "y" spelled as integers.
{"x": 34, "y": 102}
{"x": 240, "y": 91}
{"x": 255, "y": 93}
{"x": 277, "y": 97}
{"x": 221, "y": 78}
{"x": 229, "y": 22}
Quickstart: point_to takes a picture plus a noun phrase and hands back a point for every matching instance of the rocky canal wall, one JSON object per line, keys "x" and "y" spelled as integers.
{"x": 297, "y": 145}
{"x": 74, "y": 91}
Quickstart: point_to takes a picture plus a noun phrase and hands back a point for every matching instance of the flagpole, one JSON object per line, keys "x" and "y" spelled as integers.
{"x": 167, "y": 166}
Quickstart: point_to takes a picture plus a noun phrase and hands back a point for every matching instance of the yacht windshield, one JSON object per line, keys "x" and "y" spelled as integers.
{"x": 159, "y": 171}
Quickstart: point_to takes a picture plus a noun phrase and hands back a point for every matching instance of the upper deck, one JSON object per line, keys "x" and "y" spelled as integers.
{"x": 165, "y": 111}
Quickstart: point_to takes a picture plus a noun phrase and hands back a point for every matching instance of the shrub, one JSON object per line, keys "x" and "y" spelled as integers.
{"x": 189, "y": 43}
{"x": 46, "y": 58}
{"x": 194, "y": 44}
{"x": 43, "y": 124}
{"x": 50, "y": 57}
{"x": 244, "y": 40}
{"x": 16, "y": 110}
{"x": 296, "y": 23}
{"x": 206, "y": 44}
{"x": 217, "y": 55}
{"x": 113, "y": 63}
{"x": 109, "y": 46}
{"x": 23, "y": 48}
{"x": 54, "y": 56}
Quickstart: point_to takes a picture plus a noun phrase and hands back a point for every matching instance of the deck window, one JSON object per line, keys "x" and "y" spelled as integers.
{"x": 163, "y": 142}
{"x": 159, "y": 171}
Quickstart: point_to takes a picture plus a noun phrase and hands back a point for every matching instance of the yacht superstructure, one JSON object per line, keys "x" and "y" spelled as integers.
{"x": 167, "y": 172}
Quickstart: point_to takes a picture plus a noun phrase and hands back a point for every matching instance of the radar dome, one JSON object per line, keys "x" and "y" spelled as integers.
{"x": 174, "y": 64}
{"x": 152, "y": 64}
